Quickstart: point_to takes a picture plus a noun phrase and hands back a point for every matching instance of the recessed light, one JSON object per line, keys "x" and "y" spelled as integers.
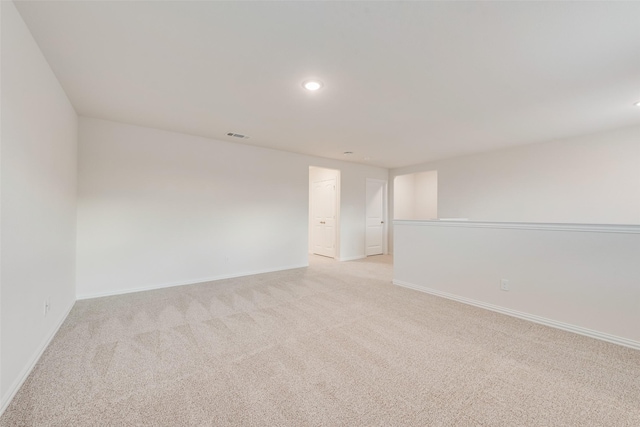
{"x": 637, "y": 104}
{"x": 312, "y": 85}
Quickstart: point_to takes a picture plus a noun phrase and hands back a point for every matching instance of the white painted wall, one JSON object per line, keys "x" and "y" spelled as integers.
{"x": 404, "y": 197}
{"x": 582, "y": 278}
{"x": 589, "y": 179}
{"x": 38, "y": 202}
{"x": 416, "y": 195}
{"x": 426, "y": 195}
{"x": 158, "y": 208}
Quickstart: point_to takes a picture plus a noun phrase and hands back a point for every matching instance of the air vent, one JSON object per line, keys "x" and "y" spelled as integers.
{"x": 237, "y": 135}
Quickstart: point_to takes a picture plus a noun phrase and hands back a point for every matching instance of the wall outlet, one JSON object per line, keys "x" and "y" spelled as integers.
{"x": 504, "y": 284}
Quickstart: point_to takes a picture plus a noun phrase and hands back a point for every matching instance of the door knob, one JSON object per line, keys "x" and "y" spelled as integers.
{"x": 381, "y": 222}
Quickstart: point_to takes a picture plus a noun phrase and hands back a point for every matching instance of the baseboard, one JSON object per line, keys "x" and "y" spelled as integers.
{"x": 184, "y": 283}
{"x": 13, "y": 389}
{"x": 526, "y": 316}
{"x": 352, "y": 258}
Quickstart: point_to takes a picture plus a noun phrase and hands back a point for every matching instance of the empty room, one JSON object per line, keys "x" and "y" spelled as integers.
{"x": 283, "y": 213}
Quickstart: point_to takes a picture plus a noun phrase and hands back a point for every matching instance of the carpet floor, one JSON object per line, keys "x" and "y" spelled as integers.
{"x": 334, "y": 344}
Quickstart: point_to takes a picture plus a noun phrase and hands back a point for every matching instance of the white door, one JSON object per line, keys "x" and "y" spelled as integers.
{"x": 324, "y": 217}
{"x": 375, "y": 217}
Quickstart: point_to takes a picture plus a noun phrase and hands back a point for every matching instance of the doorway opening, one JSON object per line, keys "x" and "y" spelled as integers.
{"x": 324, "y": 212}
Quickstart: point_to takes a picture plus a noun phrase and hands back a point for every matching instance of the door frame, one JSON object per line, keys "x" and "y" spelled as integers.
{"x": 385, "y": 213}
{"x": 331, "y": 173}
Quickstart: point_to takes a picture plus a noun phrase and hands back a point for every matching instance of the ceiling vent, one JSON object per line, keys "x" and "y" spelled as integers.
{"x": 237, "y": 135}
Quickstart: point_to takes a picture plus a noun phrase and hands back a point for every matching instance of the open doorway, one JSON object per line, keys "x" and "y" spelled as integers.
{"x": 324, "y": 212}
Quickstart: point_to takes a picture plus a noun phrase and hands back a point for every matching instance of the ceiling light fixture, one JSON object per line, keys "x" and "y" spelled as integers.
{"x": 312, "y": 85}
{"x": 637, "y": 104}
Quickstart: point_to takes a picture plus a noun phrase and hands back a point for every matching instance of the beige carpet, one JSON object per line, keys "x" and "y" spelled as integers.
{"x": 334, "y": 344}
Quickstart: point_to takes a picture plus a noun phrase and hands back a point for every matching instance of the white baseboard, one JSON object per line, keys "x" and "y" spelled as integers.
{"x": 526, "y": 316}
{"x": 352, "y": 258}
{"x": 184, "y": 283}
{"x": 13, "y": 389}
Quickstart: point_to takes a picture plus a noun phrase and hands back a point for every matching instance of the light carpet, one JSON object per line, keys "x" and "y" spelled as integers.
{"x": 335, "y": 344}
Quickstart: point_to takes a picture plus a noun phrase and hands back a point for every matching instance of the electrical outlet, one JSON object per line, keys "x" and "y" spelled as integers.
{"x": 504, "y": 284}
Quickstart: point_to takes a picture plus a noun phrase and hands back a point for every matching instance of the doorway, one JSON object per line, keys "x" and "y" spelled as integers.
{"x": 324, "y": 211}
{"x": 376, "y": 232}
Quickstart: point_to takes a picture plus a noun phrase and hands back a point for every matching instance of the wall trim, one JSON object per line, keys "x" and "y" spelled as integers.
{"x": 591, "y": 228}
{"x": 525, "y": 316}
{"x": 184, "y": 283}
{"x": 26, "y": 371}
{"x": 352, "y": 258}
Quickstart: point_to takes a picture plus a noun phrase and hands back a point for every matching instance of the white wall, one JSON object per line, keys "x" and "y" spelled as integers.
{"x": 589, "y": 179}
{"x": 426, "y": 195}
{"x": 416, "y": 196}
{"x": 157, "y": 208}
{"x": 581, "y": 278}
{"x": 38, "y": 209}
{"x": 403, "y": 197}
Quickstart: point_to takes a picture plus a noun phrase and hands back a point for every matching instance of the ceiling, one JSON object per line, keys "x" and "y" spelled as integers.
{"x": 404, "y": 82}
